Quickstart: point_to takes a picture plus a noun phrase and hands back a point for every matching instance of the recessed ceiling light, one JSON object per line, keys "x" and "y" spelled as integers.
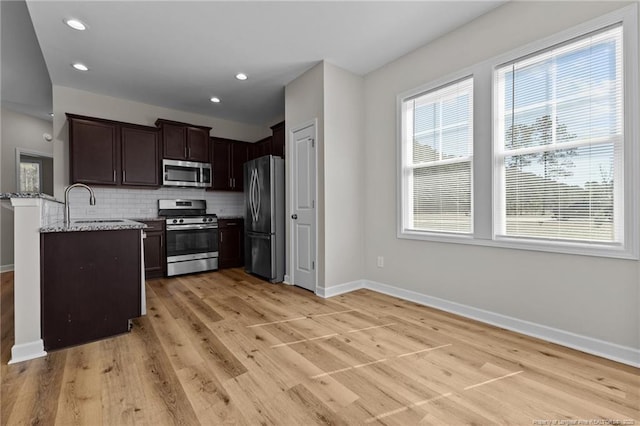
{"x": 215, "y": 100}
{"x": 241, "y": 76}
{"x": 80, "y": 67}
{"x": 76, "y": 24}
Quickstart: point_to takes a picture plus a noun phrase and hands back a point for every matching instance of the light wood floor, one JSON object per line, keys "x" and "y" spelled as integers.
{"x": 226, "y": 348}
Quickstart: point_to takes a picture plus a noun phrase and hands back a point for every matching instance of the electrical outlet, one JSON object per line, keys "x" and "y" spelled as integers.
{"x": 380, "y": 262}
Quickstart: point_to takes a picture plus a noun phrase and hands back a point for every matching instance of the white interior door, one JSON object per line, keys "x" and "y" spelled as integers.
{"x": 303, "y": 211}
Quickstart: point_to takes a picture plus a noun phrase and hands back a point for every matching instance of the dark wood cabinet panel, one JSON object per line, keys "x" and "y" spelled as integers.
{"x": 277, "y": 140}
{"x": 240, "y": 155}
{"x": 140, "y": 156}
{"x": 227, "y": 159}
{"x": 93, "y": 150}
{"x": 155, "y": 256}
{"x": 261, "y": 148}
{"x": 174, "y": 141}
{"x": 197, "y": 144}
{"x": 221, "y": 164}
{"x": 105, "y": 152}
{"x": 183, "y": 141}
{"x": 231, "y": 241}
{"x": 91, "y": 285}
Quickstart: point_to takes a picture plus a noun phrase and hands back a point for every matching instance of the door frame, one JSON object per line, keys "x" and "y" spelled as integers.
{"x": 290, "y": 154}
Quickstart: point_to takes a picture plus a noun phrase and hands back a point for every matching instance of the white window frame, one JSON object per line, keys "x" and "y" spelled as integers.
{"x": 405, "y": 204}
{"x": 484, "y": 179}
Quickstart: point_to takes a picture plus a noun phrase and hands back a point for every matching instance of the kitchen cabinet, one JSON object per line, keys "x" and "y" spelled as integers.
{"x": 106, "y": 152}
{"x": 227, "y": 159}
{"x": 277, "y": 140}
{"x": 155, "y": 255}
{"x": 182, "y": 141}
{"x": 261, "y": 148}
{"x": 230, "y": 243}
{"x": 93, "y": 150}
{"x": 90, "y": 286}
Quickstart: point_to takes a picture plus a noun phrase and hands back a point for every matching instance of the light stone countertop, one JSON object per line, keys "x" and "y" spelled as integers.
{"x": 9, "y": 195}
{"x": 83, "y": 225}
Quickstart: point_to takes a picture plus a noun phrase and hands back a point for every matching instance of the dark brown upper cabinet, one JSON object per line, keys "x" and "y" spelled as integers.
{"x": 182, "y": 141}
{"x": 106, "y": 152}
{"x": 227, "y": 159}
{"x": 140, "y": 156}
{"x": 260, "y": 148}
{"x": 277, "y": 140}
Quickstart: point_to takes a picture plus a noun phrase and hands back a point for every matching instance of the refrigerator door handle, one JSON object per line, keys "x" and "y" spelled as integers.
{"x": 254, "y": 195}
{"x": 259, "y": 236}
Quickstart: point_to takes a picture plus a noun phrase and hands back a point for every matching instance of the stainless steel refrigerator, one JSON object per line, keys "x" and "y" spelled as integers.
{"x": 265, "y": 217}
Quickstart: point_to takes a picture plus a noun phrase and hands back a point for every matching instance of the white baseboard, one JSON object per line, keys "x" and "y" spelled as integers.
{"x": 27, "y": 351}
{"x": 612, "y": 351}
{"x": 6, "y": 268}
{"x": 337, "y": 290}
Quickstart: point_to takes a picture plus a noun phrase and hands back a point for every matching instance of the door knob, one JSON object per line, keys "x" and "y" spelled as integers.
{"x": 294, "y": 216}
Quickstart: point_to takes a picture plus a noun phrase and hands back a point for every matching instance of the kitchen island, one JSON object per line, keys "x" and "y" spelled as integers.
{"x": 92, "y": 280}
{"x": 37, "y": 215}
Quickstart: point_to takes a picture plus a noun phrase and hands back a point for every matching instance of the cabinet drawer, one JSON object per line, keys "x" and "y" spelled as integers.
{"x": 153, "y": 225}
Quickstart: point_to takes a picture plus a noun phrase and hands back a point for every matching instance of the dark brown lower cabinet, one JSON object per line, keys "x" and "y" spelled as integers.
{"x": 231, "y": 252}
{"x": 155, "y": 256}
{"x": 90, "y": 285}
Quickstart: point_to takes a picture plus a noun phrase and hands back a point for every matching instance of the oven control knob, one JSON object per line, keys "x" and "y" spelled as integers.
{"x": 175, "y": 220}
{"x": 204, "y": 219}
{"x": 210, "y": 219}
{"x": 181, "y": 220}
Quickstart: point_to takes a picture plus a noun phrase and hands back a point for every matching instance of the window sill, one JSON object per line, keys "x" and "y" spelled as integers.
{"x": 574, "y": 248}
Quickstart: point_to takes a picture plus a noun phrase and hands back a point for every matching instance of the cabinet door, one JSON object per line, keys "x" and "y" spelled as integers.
{"x": 154, "y": 255}
{"x": 197, "y": 144}
{"x": 277, "y": 140}
{"x": 91, "y": 285}
{"x": 93, "y": 152}
{"x": 231, "y": 243}
{"x": 174, "y": 141}
{"x": 140, "y": 157}
{"x": 240, "y": 155}
{"x": 220, "y": 163}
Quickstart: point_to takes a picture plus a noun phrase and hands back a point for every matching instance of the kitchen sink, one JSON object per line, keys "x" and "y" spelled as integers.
{"x": 99, "y": 221}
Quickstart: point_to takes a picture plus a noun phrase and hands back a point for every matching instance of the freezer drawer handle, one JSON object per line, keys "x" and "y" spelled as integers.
{"x": 259, "y": 236}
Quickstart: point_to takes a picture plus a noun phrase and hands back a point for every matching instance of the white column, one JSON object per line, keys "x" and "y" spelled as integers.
{"x": 26, "y": 280}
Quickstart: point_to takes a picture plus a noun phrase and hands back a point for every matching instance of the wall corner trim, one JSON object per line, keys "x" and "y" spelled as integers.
{"x": 623, "y": 354}
{"x": 27, "y": 351}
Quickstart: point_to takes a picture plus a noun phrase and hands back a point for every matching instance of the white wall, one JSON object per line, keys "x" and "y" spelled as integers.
{"x": 18, "y": 131}
{"x": 343, "y": 176}
{"x": 304, "y": 102}
{"x": 593, "y": 297}
{"x": 86, "y": 103}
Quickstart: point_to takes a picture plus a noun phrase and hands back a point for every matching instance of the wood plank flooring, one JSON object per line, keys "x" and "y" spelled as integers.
{"x": 227, "y": 348}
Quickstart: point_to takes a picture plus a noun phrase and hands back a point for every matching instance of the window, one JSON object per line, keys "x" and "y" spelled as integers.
{"x": 559, "y": 142}
{"x": 30, "y": 176}
{"x": 437, "y": 147}
{"x": 538, "y": 150}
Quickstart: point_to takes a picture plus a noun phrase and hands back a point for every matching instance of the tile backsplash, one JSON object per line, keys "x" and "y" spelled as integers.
{"x": 118, "y": 203}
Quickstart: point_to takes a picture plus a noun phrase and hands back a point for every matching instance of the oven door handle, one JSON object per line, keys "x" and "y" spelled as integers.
{"x": 189, "y": 227}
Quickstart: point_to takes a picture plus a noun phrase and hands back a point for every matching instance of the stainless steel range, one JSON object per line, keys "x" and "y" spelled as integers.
{"x": 192, "y": 236}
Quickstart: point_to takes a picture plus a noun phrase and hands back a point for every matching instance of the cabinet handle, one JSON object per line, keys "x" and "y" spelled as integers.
{"x": 124, "y": 176}
{"x": 188, "y": 152}
{"x": 231, "y": 224}
{"x": 161, "y": 241}
{"x": 114, "y": 175}
{"x": 230, "y": 183}
{"x": 221, "y": 236}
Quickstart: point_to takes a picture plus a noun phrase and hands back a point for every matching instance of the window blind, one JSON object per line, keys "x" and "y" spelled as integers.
{"x": 438, "y": 159}
{"x": 559, "y": 142}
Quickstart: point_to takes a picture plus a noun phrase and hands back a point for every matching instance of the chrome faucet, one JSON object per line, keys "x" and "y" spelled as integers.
{"x": 67, "y": 214}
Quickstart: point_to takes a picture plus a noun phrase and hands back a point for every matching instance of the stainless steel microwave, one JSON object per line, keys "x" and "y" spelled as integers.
{"x": 186, "y": 173}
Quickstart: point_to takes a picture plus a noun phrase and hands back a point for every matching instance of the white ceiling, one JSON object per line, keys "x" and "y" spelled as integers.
{"x": 177, "y": 54}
